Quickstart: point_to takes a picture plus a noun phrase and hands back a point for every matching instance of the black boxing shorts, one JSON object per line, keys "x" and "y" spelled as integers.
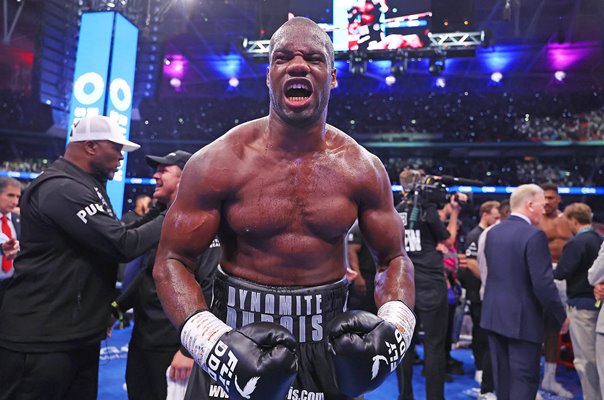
{"x": 304, "y": 311}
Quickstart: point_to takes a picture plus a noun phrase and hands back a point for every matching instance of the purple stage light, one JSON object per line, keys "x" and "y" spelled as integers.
{"x": 175, "y": 66}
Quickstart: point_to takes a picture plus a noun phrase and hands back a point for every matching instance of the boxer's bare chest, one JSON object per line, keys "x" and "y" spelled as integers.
{"x": 309, "y": 195}
{"x": 557, "y": 231}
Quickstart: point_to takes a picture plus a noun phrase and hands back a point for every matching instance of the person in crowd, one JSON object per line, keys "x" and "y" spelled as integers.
{"x": 451, "y": 263}
{"x": 9, "y": 248}
{"x": 155, "y": 344}
{"x": 504, "y": 212}
{"x": 519, "y": 292}
{"x": 361, "y": 261}
{"x": 56, "y": 309}
{"x": 470, "y": 280}
{"x": 558, "y": 231}
{"x": 595, "y": 275}
{"x": 10, "y": 193}
{"x": 282, "y": 192}
{"x": 142, "y": 202}
{"x": 423, "y": 232}
{"x": 127, "y": 271}
{"x": 578, "y": 255}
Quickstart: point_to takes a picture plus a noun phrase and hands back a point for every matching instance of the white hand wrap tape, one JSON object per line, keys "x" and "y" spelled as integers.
{"x": 201, "y": 333}
{"x": 397, "y": 313}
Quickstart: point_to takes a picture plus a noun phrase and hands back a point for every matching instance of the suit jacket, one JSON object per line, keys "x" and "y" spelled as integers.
{"x": 520, "y": 288}
{"x": 595, "y": 275}
{"x": 16, "y": 219}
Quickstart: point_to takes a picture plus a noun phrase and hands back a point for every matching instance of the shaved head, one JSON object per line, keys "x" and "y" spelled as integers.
{"x": 310, "y": 29}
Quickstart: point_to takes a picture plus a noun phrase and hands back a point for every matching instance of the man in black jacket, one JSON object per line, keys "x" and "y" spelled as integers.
{"x": 578, "y": 255}
{"x": 56, "y": 309}
{"x": 423, "y": 232}
{"x": 155, "y": 343}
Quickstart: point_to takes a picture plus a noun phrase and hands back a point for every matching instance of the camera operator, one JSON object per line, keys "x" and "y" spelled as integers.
{"x": 423, "y": 232}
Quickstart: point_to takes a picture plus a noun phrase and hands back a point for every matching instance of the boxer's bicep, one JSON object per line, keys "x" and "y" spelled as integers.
{"x": 187, "y": 232}
{"x": 384, "y": 232}
{"x": 380, "y": 224}
{"x": 193, "y": 219}
{"x": 190, "y": 227}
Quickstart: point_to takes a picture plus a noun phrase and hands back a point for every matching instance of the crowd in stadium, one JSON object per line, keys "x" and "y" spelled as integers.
{"x": 455, "y": 117}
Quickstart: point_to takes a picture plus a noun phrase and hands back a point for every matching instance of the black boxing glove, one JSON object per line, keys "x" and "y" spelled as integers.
{"x": 365, "y": 348}
{"x": 257, "y": 361}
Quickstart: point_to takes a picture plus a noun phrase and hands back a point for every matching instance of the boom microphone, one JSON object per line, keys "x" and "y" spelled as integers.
{"x": 452, "y": 180}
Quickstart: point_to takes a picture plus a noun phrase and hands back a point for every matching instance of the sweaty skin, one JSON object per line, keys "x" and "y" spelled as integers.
{"x": 557, "y": 230}
{"x": 555, "y": 225}
{"x": 282, "y": 192}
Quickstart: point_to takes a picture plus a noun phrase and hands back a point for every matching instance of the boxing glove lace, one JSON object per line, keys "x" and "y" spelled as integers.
{"x": 257, "y": 361}
{"x": 365, "y": 348}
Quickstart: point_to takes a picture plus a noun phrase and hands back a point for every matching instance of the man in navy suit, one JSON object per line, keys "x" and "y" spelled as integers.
{"x": 519, "y": 292}
{"x": 10, "y": 192}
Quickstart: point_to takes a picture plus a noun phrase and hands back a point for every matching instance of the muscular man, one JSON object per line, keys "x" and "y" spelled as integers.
{"x": 282, "y": 192}
{"x": 556, "y": 227}
{"x": 56, "y": 309}
{"x": 557, "y": 230}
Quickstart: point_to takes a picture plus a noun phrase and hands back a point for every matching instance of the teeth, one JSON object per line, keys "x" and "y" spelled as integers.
{"x": 298, "y": 86}
{"x": 297, "y": 98}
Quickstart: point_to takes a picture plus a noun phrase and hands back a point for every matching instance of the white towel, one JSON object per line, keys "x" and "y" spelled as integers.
{"x": 176, "y": 389}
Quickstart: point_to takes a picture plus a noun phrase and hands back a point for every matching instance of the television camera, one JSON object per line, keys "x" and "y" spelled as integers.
{"x": 432, "y": 189}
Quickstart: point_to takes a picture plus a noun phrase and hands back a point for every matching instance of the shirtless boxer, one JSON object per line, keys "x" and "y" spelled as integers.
{"x": 557, "y": 230}
{"x": 282, "y": 192}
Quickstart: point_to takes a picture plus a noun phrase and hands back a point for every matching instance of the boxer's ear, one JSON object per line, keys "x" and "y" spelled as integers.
{"x": 268, "y": 69}
{"x": 334, "y": 81}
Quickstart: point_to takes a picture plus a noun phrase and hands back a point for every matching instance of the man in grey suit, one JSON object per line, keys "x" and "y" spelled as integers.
{"x": 519, "y": 294}
{"x": 595, "y": 275}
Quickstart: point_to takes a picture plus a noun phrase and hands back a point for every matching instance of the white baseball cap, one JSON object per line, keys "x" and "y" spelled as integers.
{"x": 98, "y": 127}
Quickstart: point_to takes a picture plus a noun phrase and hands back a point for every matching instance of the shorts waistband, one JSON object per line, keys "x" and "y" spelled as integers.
{"x": 303, "y": 310}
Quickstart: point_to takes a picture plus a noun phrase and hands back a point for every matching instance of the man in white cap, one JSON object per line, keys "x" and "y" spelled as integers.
{"x": 56, "y": 309}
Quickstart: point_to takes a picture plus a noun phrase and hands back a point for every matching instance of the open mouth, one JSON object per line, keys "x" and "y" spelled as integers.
{"x": 298, "y": 91}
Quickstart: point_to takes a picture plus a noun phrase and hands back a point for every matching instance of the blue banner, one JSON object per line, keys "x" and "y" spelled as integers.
{"x": 91, "y": 67}
{"x": 119, "y": 101}
{"x": 104, "y": 78}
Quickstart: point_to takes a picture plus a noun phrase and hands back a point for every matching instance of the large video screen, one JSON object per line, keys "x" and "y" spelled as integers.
{"x": 370, "y": 24}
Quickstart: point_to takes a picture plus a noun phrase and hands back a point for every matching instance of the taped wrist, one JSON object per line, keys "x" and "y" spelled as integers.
{"x": 397, "y": 313}
{"x": 200, "y": 333}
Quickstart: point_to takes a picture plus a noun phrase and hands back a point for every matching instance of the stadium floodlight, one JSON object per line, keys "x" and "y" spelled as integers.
{"x": 175, "y": 83}
{"x": 560, "y": 75}
{"x": 437, "y": 64}
{"x": 357, "y": 63}
{"x": 496, "y": 77}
